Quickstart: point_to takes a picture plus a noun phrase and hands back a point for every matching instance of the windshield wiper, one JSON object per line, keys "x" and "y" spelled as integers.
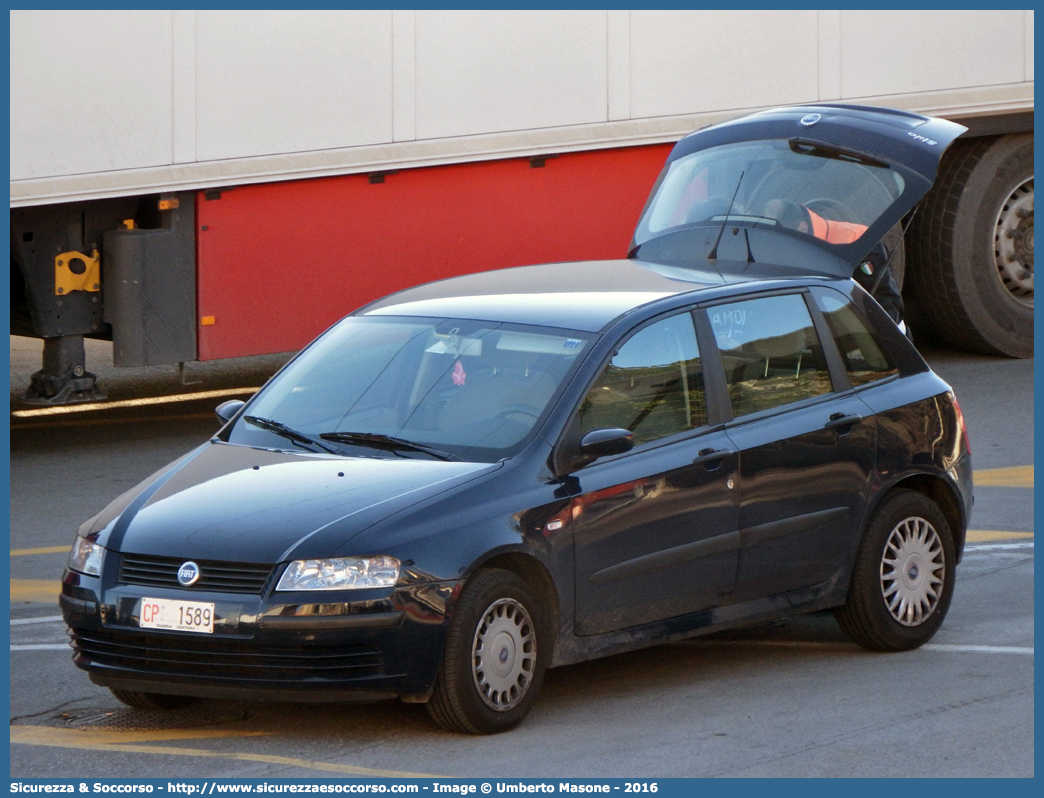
{"x": 287, "y": 432}
{"x": 818, "y": 149}
{"x": 385, "y": 442}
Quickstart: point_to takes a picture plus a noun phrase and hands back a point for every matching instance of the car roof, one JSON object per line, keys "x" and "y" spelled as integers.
{"x": 586, "y": 295}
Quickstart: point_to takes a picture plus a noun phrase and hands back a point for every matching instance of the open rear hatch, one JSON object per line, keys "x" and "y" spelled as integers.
{"x": 811, "y": 188}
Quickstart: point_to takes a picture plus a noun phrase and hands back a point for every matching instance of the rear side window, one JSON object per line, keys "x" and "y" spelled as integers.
{"x": 770, "y": 351}
{"x": 653, "y": 386}
{"x": 865, "y": 359}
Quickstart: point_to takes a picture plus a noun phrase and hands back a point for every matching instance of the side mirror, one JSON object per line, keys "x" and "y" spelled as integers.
{"x": 226, "y": 410}
{"x": 605, "y": 442}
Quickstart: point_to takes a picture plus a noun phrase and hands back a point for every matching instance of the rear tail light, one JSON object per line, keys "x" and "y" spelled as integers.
{"x": 960, "y": 423}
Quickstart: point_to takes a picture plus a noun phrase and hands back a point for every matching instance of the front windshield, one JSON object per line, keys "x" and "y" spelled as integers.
{"x": 459, "y": 389}
{"x": 799, "y": 187}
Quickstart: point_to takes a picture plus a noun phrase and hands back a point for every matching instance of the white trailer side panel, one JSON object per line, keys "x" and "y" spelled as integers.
{"x": 687, "y": 62}
{"x": 126, "y": 102}
{"x": 922, "y": 51}
{"x": 90, "y": 91}
{"x": 493, "y": 71}
{"x": 291, "y": 81}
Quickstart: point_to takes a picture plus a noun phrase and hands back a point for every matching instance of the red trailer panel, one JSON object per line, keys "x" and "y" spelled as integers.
{"x": 278, "y": 263}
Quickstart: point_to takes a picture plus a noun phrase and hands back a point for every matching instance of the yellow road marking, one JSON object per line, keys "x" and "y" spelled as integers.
{"x": 1015, "y": 477}
{"x": 46, "y": 735}
{"x": 69, "y": 738}
{"x": 151, "y": 400}
{"x": 44, "y": 550}
{"x": 97, "y": 422}
{"x": 45, "y": 590}
{"x": 983, "y": 535}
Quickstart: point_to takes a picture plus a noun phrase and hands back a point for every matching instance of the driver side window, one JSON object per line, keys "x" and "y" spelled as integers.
{"x": 653, "y": 386}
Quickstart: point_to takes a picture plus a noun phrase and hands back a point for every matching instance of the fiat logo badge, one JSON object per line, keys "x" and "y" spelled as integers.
{"x": 810, "y": 119}
{"x": 188, "y": 574}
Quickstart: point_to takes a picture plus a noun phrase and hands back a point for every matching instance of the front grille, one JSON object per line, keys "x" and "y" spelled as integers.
{"x": 223, "y": 658}
{"x": 221, "y": 577}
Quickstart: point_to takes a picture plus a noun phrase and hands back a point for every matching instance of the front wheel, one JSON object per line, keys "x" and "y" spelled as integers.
{"x": 496, "y": 652}
{"x": 903, "y": 578}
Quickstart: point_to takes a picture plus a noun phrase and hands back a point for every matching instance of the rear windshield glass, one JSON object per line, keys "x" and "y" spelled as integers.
{"x": 802, "y": 188}
{"x": 463, "y": 389}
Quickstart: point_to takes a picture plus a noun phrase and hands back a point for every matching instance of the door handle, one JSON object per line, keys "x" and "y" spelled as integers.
{"x": 839, "y": 421}
{"x": 707, "y": 457}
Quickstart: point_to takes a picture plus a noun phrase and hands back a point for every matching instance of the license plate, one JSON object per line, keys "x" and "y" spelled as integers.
{"x": 181, "y": 616}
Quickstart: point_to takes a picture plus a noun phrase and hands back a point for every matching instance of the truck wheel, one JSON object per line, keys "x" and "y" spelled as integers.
{"x": 902, "y": 582}
{"x": 971, "y": 247}
{"x": 154, "y": 701}
{"x": 495, "y": 656}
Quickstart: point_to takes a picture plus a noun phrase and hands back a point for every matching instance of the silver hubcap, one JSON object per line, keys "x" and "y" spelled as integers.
{"x": 504, "y": 654}
{"x": 912, "y": 571}
{"x": 1013, "y": 243}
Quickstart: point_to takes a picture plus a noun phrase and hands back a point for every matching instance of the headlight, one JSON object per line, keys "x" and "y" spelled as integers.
{"x": 342, "y": 573}
{"x": 86, "y": 557}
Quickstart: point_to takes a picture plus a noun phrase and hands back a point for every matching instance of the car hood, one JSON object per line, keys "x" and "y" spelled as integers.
{"x": 240, "y": 504}
{"x": 893, "y": 153}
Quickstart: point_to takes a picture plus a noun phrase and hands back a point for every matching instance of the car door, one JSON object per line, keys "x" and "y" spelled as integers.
{"x": 655, "y": 529}
{"x": 806, "y": 445}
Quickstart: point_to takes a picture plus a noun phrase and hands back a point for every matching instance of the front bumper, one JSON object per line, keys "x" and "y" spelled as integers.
{"x": 373, "y": 644}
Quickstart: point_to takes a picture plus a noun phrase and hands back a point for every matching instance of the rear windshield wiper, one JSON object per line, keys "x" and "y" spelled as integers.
{"x": 385, "y": 442}
{"x": 820, "y": 150}
{"x": 287, "y": 432}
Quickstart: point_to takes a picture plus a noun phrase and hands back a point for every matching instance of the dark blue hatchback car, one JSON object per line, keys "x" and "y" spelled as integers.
{"x": 468, "y": 482}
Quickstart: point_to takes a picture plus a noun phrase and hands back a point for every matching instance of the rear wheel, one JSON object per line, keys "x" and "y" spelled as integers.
{"x": 496, "y": 653}
{"x": 971, "y": 247}
{"x": 154, "y": 701}
{"x": 902, "y": 582}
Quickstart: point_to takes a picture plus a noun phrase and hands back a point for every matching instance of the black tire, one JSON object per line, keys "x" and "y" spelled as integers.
{"x": 866, "y": 616}
{"x": 496, "y": 608}
{"x": 151, "y": 701}
{"x": 972, "y": 281}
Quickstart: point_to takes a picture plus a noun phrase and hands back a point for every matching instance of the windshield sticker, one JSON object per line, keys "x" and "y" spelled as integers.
{"x": 459, "y": 377}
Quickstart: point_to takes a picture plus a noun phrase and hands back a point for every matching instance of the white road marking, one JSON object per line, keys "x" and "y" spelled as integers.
{"x": 984, "y": 546}
{"x": 979, "y": 649}
{"x": 42, "y": 647}
{"x": 852, "y": 647}
{"x": 27, "y": 621}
